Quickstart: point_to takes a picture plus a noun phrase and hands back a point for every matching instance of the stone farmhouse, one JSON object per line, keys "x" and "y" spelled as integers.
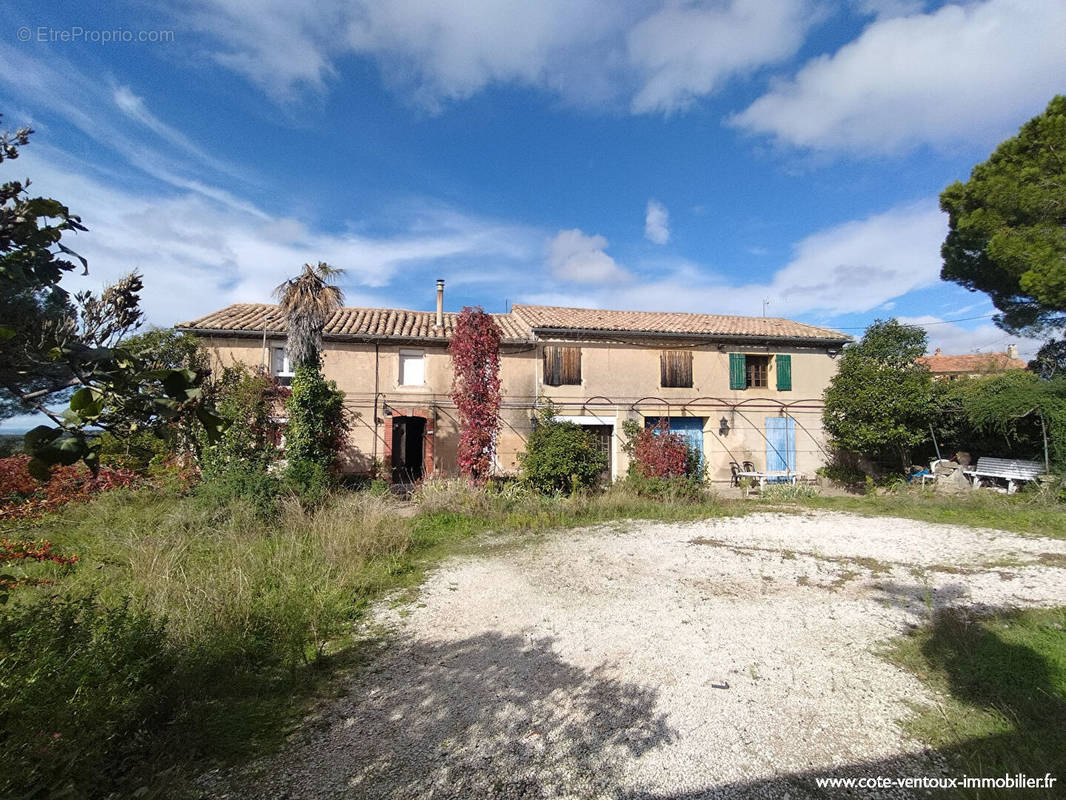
{"x": 742, "y": 389}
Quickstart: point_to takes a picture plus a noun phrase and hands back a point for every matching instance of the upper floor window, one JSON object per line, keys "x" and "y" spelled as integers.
{"x": 756, "y": 372}
{"x": 675, "y": 369}
{"x": 280, "y": 367}
{"x": 412, "y": 368}
{"x": 752, "y": 371}
{"x": 562, "y": 365}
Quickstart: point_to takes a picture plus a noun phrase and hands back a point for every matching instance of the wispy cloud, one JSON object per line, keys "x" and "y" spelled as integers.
{"x": 852, "y": 267}
{"x": 957, "y": 339}
{"x": 101, "y": 111}
{"x": 198, "y": 254}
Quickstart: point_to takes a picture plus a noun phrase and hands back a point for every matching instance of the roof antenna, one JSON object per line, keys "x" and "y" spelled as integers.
{"x": 765, "y": 303}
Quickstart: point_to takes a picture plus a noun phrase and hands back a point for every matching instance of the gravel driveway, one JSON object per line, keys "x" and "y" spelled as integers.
{"x": 724, "y": 658}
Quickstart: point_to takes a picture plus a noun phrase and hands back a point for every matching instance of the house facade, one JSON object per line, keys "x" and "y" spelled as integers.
{"x": 739, "y": 388}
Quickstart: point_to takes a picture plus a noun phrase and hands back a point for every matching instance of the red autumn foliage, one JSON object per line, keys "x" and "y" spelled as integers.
{"x": 18, "y": 551}
{"x": 22, "y": 495}
{"x": 659, "y": 453}
{"x": 475, "y": 351}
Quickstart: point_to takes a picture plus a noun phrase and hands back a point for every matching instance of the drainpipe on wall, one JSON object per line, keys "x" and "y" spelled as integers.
{"x": 440, "y": 302}
{"x": 374, "y": 433}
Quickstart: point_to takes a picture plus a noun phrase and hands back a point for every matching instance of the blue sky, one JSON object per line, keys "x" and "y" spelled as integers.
{"x": 694, "y": 156}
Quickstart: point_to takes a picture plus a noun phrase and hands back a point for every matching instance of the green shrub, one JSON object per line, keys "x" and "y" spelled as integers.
{"x": 248, "y": 484}
{"x": 317, "y": 428}
{"x": 80, "y": 684}
{"x": 843, "y": 473}
{"x": 249, "y": 401}
{"x": 312, "y": 483}
{"x": 561, "y": 456}
{"x": 137, "y": 452}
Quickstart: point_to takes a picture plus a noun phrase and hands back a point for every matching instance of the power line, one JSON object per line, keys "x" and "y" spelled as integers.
{"x": 914, "y": 324}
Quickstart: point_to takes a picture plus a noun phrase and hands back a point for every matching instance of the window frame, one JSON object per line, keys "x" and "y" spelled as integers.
{"x": 751, "y": 363}
{"x": 411, "y": 354}
{"x": 285, "y": 374}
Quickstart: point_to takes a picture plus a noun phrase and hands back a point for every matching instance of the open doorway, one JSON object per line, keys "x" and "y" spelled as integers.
{"x": 408, "y": 437}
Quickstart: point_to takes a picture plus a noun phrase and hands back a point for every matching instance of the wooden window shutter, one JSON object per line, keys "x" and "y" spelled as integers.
{"x": 784, "y": 372}
{"x": 553, "y": 367}
{"x": 562, "y": 366}
{"x": 737, "y": 376}
{"x": 571, "y": 366}
{"x": 675, "y": 368}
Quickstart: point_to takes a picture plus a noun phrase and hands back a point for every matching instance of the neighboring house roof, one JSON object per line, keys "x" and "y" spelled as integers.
{"x": 517, "y": 326}
{"x": 558, "y": 318}
{"x": 973, "y": 363}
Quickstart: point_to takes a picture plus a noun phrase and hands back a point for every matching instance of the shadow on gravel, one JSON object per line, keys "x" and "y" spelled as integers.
{"x": 1008, "y": 714}
{"x": 489, "y": 716}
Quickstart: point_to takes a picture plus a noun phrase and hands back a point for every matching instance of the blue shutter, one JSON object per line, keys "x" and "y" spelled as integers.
{"x": 780, "y": 444}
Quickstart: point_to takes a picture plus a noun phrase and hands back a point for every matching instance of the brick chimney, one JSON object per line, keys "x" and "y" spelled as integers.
{"x": 1012, "y": 351}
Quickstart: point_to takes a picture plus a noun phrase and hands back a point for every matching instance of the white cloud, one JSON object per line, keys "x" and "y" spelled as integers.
{"x": 957, "y": 74}
{"x": 574, "y": 256}
{"x": 888, "y": 8}
{"x": 853, "y": 267}
{"x": 659, "y": 56}
{"x": 686, "y": 51}
{"x": 657, "y": 223}
{"x": 198, "y": 255}
{"x": 63, "y": 90}
{"x": 134, "y": 107}
{"x": 954, "y": 339}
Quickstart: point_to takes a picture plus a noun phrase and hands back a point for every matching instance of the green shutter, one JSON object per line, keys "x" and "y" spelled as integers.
{"x": 784, "y": 372}
{"x": 737, "y": 378}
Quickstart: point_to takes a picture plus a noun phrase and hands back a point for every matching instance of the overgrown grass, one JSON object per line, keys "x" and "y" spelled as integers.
{"x": 216, "y": 625}
{"x": 194, "y": 632}
{"x": 247, "y": 613}
{"x": 1003, "y": 678}
{"x": 1030, "y": 513}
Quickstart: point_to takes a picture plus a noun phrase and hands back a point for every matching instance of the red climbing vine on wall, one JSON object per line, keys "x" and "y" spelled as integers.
{"x": 475, "y": 351}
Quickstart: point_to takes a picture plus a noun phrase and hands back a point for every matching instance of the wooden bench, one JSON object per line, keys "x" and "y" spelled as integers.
{"x": 1008, "y": 469}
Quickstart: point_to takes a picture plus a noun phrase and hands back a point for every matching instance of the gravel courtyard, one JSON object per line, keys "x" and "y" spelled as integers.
{"x": 735, "y": 657}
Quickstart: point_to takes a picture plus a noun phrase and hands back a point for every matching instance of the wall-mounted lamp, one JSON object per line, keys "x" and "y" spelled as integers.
{"x": 832, "y": 352}
{"x": 388, "y": 411}
{"x": 723, "y": 426}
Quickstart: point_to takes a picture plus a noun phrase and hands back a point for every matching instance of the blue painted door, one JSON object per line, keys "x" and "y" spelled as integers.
{"x": 688, "y": 428}
{"x": 780, "y": 444}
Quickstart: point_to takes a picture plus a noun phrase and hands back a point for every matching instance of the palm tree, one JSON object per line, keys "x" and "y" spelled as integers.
{"x": 308, "y": 301}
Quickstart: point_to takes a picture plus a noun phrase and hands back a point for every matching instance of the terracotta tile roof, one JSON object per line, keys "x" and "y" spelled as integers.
{"x": 668, "y": 322}
{"x": 394, "y": 323}
{"x": 972, "y": 363}
{"x": 371, "y": 323}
